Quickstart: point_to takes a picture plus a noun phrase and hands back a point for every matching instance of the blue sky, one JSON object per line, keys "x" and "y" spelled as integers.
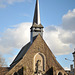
{"x": 55, "y": 16}
{"x": 51, "y": 11}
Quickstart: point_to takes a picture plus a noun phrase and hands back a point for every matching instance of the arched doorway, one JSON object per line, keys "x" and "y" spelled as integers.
{"x": 39, "y": 63}
{"x": 59, "y": 73}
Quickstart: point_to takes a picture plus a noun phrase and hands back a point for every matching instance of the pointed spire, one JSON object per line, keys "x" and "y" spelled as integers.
{"x": 37, "y": 14}
{"x": 36, "y": 27}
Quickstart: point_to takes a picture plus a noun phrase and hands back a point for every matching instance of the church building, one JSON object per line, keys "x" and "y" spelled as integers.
{"x": 35, "y": 58}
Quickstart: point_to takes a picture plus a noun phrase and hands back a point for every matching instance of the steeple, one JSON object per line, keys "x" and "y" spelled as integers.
{"x": 37, "y": 14}
{"x": 36, "y": 27}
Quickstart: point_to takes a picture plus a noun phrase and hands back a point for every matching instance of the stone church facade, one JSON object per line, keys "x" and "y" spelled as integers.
{"x": 38, "y": 60}
{"x": 35, "y": 58}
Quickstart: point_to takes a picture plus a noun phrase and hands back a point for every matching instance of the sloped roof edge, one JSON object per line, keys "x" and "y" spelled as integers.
{"x": 50, "y": 51}
{"x": 21, "y": 53}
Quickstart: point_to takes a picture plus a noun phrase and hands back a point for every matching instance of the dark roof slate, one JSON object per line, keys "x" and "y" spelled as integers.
{"x": 21, "y": 53}
{"x": 36, "y": 25}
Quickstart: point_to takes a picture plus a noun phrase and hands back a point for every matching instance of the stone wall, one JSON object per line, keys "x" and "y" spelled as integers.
{"x": 3, "y": 70}
{"x": 28, "y": 60}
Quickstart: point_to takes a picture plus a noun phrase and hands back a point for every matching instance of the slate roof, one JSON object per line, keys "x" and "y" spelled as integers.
{"x": 36, "y": 25}
{"x": 21, "y": 54}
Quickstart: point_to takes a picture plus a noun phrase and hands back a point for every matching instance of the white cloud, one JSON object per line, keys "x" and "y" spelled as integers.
{"x": 4, "y": 3}
{"x": 67, "y": 35}
{"x": 61, "y": 40}
{"x": 53, "y": 41}
{"x": 15, "y": 38}
{"x": 69, "y": 20}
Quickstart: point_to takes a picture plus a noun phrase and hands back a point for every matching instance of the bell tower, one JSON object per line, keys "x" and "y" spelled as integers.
{"x": 36, "y": 27}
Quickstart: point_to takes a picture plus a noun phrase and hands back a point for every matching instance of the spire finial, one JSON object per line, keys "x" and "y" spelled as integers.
{"x": 37, "y": 14}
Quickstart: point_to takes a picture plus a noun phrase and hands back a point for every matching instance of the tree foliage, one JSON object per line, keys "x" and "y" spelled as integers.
{"x": 2, "y": 62}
